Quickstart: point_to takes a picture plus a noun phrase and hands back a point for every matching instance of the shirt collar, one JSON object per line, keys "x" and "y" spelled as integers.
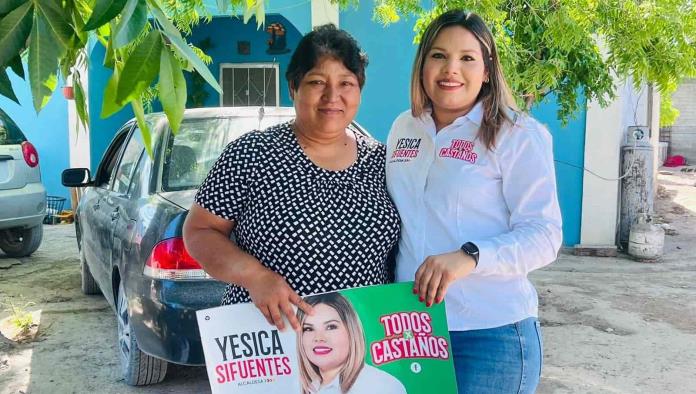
{"x": 475, "y": 115}
{"x": 335, "y": 384}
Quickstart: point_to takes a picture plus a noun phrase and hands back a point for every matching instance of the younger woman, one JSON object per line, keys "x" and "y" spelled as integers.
{"x": 474, "y": 183}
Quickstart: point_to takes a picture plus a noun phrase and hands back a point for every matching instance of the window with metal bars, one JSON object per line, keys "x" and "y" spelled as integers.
{"x": 249, "y": 84}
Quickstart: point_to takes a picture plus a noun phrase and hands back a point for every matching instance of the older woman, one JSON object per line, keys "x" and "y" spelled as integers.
{"x": 305, "y": 200}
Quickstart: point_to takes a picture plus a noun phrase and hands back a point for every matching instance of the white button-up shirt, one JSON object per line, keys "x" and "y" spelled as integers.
{"x": 449, "y": 189}
{"x": 369, "y": 380}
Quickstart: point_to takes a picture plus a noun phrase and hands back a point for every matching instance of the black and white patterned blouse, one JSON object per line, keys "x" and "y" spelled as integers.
{"x": 321, "y": 230}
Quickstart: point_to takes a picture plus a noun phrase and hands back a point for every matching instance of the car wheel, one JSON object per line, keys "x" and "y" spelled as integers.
{"x": 139, "y": 369}
{"x": 89, "y": 285}
{"x": 21, "y": 242}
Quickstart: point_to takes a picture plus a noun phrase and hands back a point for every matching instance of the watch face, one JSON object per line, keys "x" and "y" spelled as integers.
{"x": 470, "y": 248}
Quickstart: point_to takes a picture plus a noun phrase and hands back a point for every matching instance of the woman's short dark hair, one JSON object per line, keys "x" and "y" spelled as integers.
{"x": 326, "y": 40}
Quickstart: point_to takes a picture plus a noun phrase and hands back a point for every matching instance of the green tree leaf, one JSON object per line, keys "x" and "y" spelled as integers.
{"x": 109, "y": 104}
{"x": 104, "y": 11}
{"x": 81, "y": 102}
{"x": 172, "y": 88}
{"x": 43, "y": 61}
{"x": 8, "y": 5}
{"x": 139, "y": 112}
{"x": 132, "y": 23}
{"x": 183, "y": 48}
{"x": 6, "y": 86}
{"x": 58, "y": 24}
{"x": 140, "y": 68}
{"x": 17, "y": 66}
{"x": 15, "y": 27}
{"x": 109, "y": 55}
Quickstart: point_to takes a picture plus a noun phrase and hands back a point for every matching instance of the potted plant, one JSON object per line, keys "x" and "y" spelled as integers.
{"x": 69, "y": 92}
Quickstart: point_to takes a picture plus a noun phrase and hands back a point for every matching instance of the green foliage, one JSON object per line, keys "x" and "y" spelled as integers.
{"x": 552, "y": 46}
{"x": 104, "y": 11}
{"x": 546, "y": 46}
{"x": 140, "y": 69}
{"x": 44, "y": 52}
{"x": 54, "y": 34}
{"x": 131, "y": 24}
{"x": 172, "y": 88}
{"x": 668, "y": 114}
{"x": 14, "y": 31}
{"x": 20, "y": 317}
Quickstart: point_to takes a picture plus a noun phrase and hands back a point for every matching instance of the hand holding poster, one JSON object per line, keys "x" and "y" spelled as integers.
{"x": 364, "y": 340}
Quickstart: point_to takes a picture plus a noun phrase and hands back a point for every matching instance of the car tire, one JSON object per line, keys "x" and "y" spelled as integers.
{"x": 21, "y": 242}
{"x": 89, "y": 285}
{"x": 139, "y": 369}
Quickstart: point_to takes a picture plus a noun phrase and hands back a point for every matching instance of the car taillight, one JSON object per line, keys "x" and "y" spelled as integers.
{"x": 31, "y": 156}
{"x": 170, "y": 260}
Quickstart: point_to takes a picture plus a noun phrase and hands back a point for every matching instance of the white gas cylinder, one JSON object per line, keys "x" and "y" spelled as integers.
{"x": 646, "y": 241}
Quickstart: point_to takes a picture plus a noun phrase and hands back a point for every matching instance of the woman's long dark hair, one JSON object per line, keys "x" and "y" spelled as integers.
{"x": 495, "y": 94}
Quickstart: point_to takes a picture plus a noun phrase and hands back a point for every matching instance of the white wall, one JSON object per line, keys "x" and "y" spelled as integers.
{"x": 602, "y": 152}
{"x": 604, "y": 136}
{"x": 79, "y": 134}
{"x": 324, "y": 12}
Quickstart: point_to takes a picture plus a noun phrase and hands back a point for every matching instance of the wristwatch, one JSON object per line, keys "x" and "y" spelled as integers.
{"x": 472, "y": 250}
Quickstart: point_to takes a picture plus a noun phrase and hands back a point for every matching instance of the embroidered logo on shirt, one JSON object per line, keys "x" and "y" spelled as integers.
{"x": 405, "y": 149}
{"x": 460, "y": 149}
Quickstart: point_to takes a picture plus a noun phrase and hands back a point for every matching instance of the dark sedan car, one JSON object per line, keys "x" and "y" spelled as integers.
{"x": 128, "y": 225}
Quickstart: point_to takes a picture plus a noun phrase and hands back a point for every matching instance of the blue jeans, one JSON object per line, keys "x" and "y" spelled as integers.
{"x": 498, "y": 360}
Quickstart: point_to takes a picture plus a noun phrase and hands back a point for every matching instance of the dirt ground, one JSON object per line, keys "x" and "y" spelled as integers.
{"x": 611, "y": 325}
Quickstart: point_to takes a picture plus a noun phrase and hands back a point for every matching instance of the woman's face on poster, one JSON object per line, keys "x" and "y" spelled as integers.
{"x": 325, "y": 338}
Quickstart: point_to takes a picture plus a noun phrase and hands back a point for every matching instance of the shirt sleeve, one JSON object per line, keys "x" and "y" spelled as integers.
{"x": 225, "y": 190}
{"x": 529, "y": 190}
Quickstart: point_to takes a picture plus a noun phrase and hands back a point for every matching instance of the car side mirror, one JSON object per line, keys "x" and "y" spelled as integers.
{"x": 76, "y": 177}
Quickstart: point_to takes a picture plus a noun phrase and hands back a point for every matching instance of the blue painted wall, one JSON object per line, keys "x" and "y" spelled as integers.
{"x": 390, "y": 51}
{"x": 299, "y": 12}
{"x": 47, "y": 131}
{"x": 101, "y": 130}
{"x": 224, "y": 32}
{"x": 569, "y": 153}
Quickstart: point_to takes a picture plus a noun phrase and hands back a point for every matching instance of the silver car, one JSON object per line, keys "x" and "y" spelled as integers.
{"x": 22, "y": 195}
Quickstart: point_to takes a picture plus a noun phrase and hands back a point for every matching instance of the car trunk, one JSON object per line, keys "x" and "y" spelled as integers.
{"x": 14, "y": 172}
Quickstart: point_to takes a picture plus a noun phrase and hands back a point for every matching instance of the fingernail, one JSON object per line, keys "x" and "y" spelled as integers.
{"x": 428, "y": 304}
{"x": 415, "y": 291}
{"x": 421, "y": 299}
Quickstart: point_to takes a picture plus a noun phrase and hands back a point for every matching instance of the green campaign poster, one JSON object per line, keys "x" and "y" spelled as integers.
{"x": 363, "y": 340}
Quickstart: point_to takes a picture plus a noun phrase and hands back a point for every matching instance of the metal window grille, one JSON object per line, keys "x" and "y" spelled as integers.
{"x": 249, "y": 84}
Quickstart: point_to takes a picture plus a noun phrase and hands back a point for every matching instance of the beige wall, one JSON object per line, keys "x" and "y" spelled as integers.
{"x": 683, "y": 135}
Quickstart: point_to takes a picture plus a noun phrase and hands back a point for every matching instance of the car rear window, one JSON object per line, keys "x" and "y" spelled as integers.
{"x": 190, "y": 154}
{"x": 9, "y": 132}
